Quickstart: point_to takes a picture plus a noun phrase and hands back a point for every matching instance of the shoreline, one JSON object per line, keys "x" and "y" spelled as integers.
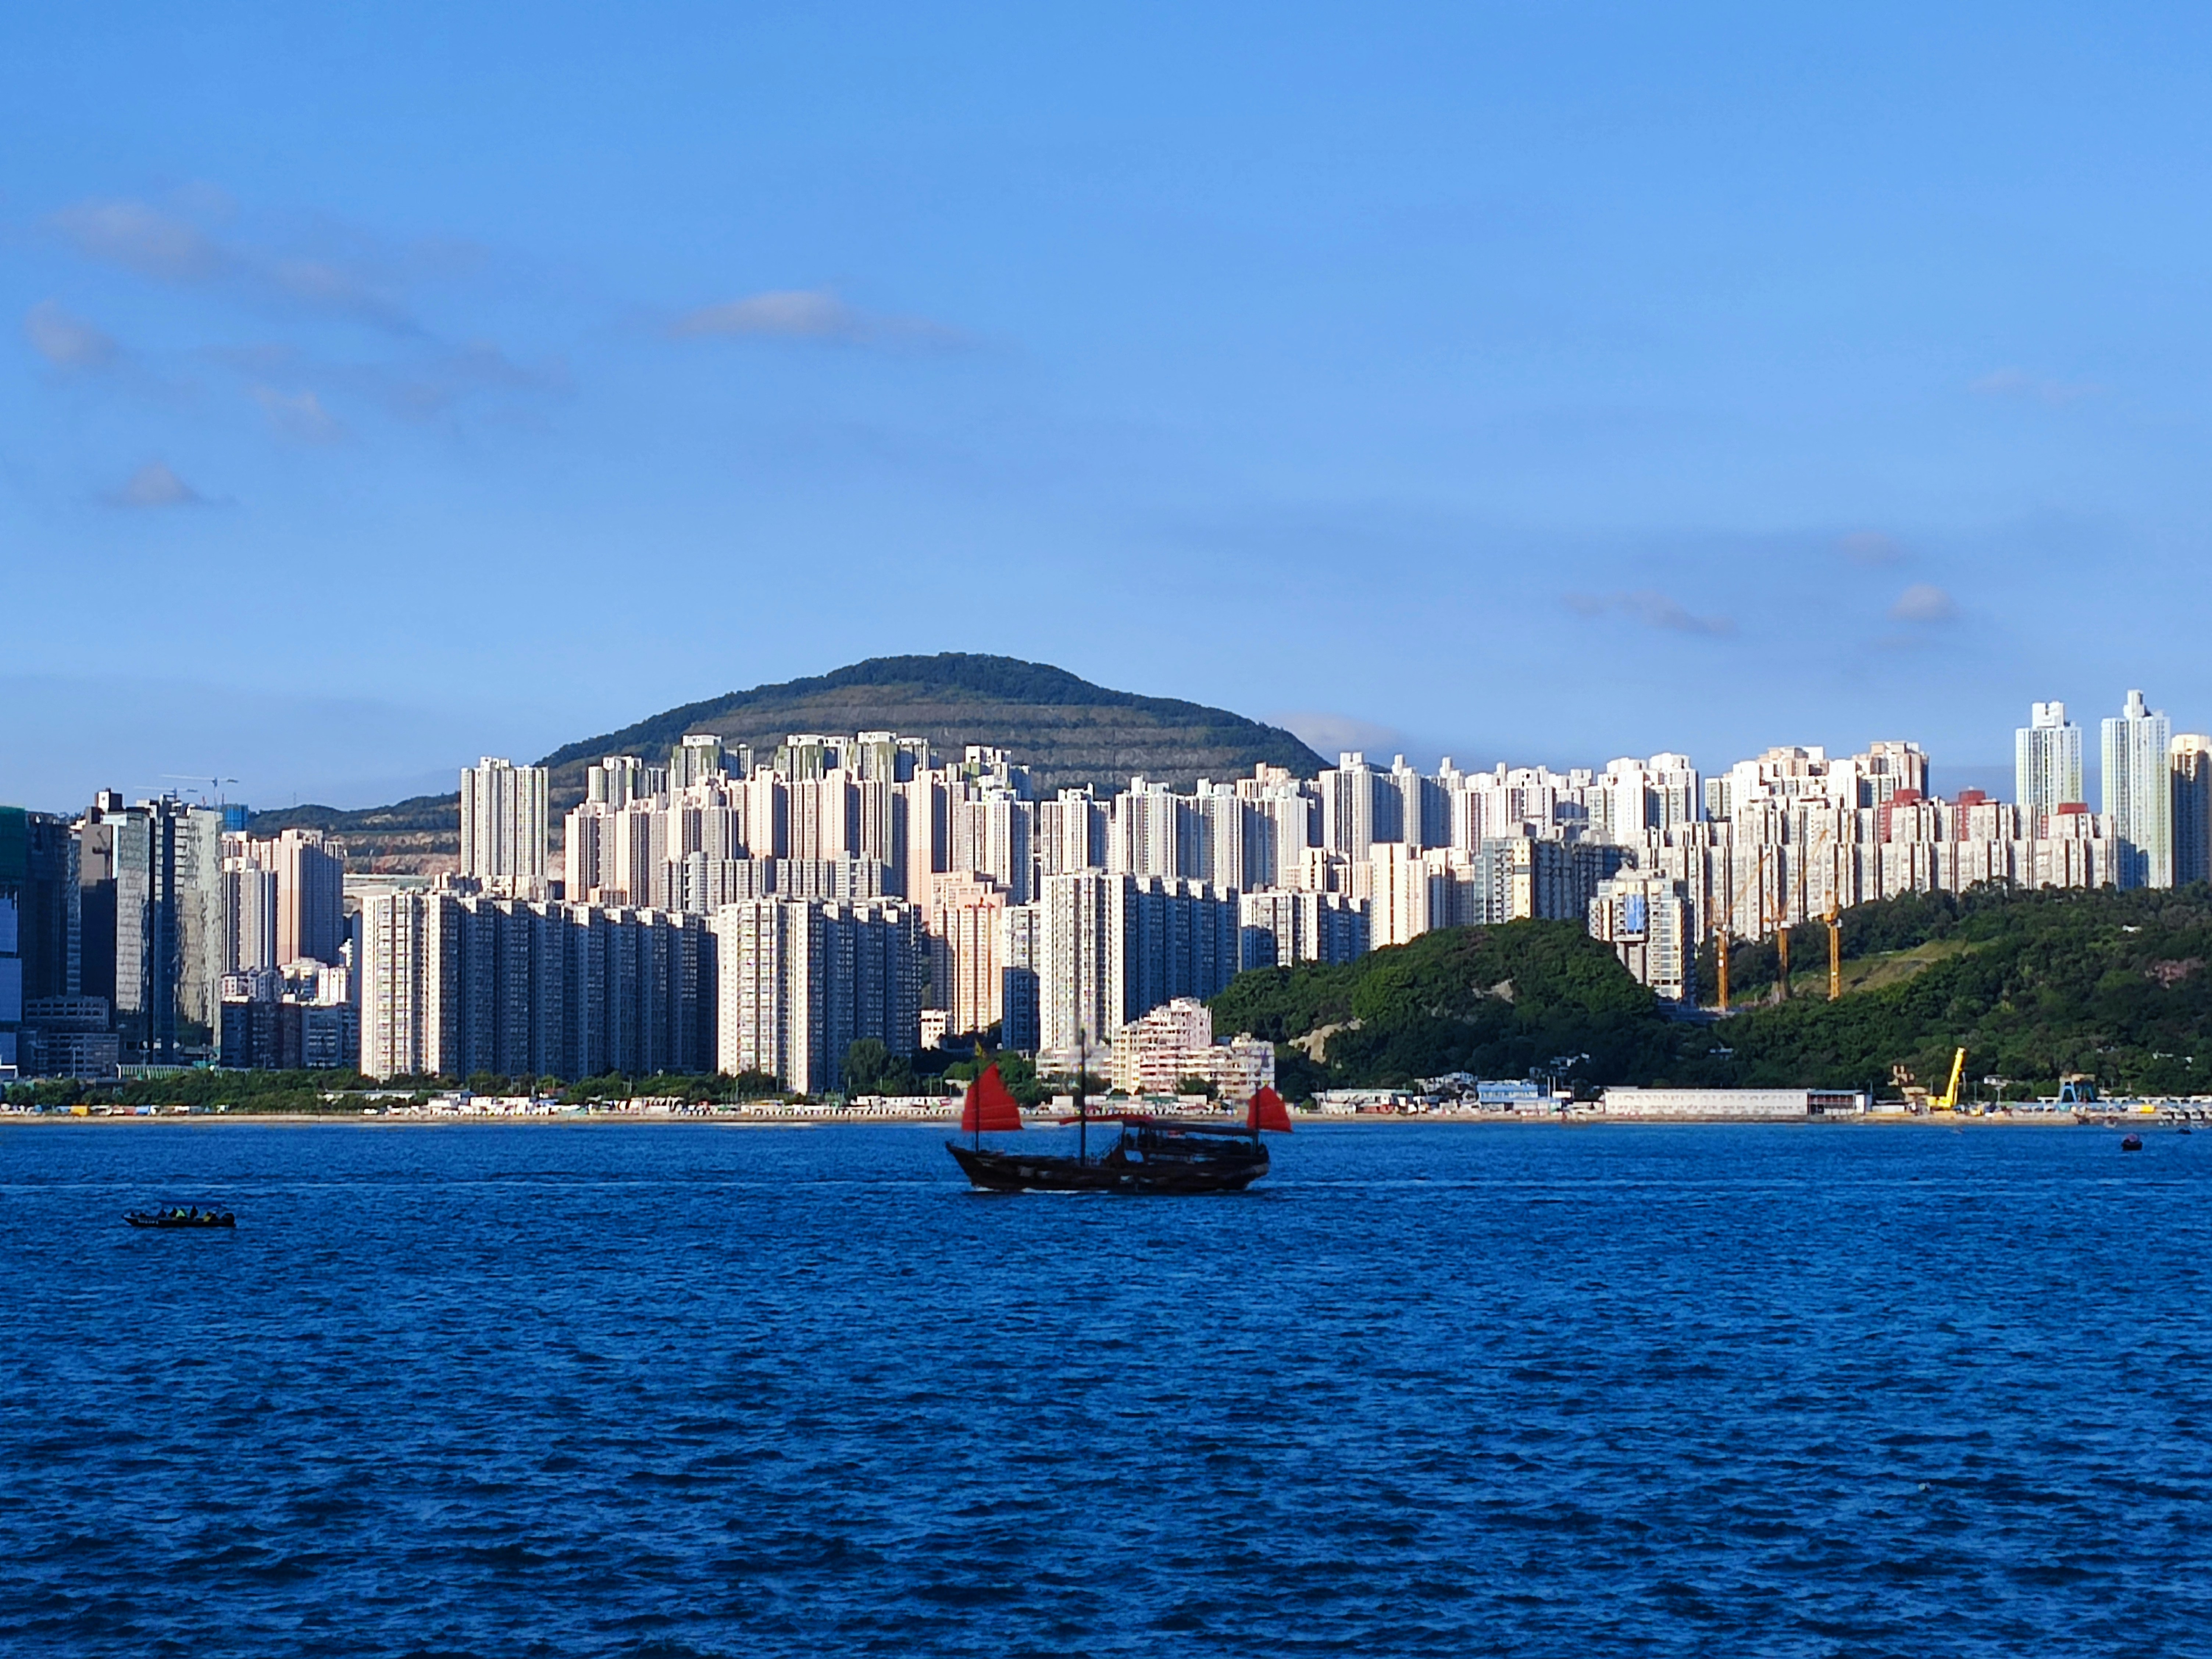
{"x": 832, "y": 1118}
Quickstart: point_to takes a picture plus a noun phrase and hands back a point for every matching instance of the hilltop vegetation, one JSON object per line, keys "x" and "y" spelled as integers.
{"x": 1064, "y": 729}
{"x": 1497, "y": 1001}
{"x": 2035, "y": 985}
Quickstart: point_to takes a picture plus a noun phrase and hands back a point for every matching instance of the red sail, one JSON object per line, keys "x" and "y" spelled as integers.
{"x": 989, "y": 1106}
{"x": 1267, "y": 1112}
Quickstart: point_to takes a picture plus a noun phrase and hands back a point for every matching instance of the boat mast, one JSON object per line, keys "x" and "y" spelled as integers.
{"x": 1082, "y": 1051}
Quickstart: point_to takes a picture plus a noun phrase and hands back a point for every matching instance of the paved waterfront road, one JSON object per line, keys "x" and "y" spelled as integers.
{"x": 693, "y": 1389}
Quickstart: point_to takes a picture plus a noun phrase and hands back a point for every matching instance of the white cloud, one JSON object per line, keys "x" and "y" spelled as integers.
{"x": 814, "y": 315}
{"x": 298, "y": 415}
{"x": 1652, "y": 608}
{"x": 2018, "y": 384}
{"x": 163, "y": 246}
{"x": 155, "y": 484}
{"x": 64, "y": 340}
{"x": 1870, "y": 547}
{"x": 1923, "y": 602}
{"x": 171, "y": 246}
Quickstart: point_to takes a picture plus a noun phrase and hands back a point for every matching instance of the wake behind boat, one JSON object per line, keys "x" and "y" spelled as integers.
{"x": 181, "y": 1216}
{"x": 1148, "y": 1155}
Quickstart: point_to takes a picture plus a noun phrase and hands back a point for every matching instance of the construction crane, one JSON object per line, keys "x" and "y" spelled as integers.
{"x": 1835, "y": 951}
{"x": 1779, "y": 920}
{"x": 1721, "y": 932}
{"x": 1919, "y": 1098}
{"x": 213, "y": 797}
{"x": 1950, "y": 1101}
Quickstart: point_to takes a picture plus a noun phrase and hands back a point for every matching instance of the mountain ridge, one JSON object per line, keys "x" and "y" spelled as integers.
{"x": 1065, "y": 729}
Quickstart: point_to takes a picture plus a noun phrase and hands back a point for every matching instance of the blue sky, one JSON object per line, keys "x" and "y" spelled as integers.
{"x": 1535, "y": 382}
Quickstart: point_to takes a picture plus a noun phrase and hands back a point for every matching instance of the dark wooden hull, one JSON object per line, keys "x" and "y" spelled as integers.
{"x": 992, "y": 1170}
{"x": 176, "y": 1222}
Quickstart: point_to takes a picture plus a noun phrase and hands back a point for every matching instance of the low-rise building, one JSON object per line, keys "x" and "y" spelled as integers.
{"x": 1155, "y": 1053}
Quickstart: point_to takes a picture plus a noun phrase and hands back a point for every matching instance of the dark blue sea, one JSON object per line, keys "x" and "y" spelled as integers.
{"x": 696, "y": 1389}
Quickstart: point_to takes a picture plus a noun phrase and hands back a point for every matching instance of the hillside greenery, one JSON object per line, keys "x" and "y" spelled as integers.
{"x": 2035, "y": 986}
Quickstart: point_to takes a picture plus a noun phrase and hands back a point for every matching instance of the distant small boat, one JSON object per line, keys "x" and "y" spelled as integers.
{"x": 192, "y": 1216}
{"x": 2131, "y": 1143}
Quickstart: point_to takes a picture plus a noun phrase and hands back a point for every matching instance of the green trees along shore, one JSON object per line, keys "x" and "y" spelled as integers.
{"x": 2036, "y": 986}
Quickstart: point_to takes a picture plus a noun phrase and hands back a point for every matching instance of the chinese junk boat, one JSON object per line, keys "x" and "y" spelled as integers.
{"x": 1150, "y": 1155}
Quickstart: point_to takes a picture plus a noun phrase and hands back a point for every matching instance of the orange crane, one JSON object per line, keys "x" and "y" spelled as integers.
{"x": 1726, "y": 926}
{"x": 1779, "y": 919}
{"x": 1835, "y": 951}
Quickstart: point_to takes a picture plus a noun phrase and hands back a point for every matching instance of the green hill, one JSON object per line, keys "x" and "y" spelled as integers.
{"x": 1066, "y": 730}
{"x": 2035, "y": 985}
{"x": 1497, "y": 1001}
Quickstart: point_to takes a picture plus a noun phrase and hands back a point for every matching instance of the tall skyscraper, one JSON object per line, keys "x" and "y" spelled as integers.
{"x": 168, "y": 937}
{"x": 2046, "y": 763}
{"x": 2191, "y": 756}
{"x": 503, "y": 825}
{"x": 310, "y": 898}
{"x": 2139, "y": 793}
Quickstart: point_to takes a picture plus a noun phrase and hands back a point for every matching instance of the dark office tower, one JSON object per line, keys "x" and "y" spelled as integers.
{"x": 95, "y": 899}
{"x": 38, "y": 872}
{"x": 157, "y": 866}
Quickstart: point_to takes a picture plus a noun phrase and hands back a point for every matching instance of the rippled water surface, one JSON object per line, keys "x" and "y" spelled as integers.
{"x": 537, "y": 1389}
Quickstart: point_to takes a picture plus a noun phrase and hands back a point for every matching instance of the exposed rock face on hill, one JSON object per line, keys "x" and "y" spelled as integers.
{"x": 1066, "y": 730}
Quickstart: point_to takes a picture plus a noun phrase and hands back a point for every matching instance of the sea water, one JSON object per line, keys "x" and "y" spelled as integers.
{"x": 697, "y": 1390}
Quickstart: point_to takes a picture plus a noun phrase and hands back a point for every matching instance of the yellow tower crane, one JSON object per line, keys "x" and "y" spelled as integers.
{"x": 1727, "y": 924}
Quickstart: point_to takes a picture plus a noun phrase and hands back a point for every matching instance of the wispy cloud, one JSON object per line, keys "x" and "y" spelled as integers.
{"x": 164, "y": 246}
{"x": 2019, "y": 385}
{"x": 1923, "y": 602}
{"x": 298, "y": 415}
{"x": 1871, "y": 547}
{"x": 415, "y": 387}
{"x": 66, "y": 341}
{"x": 155, "y": 485}
{"x": 1650, "y": 608}
{"x": 187, "y": 241}
{"x": 809, "y": 314}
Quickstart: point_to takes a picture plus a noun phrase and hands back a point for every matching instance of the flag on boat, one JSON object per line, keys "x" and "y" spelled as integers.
{"x": 1267, "y": 1111}
{"x": 990, "y": 1105}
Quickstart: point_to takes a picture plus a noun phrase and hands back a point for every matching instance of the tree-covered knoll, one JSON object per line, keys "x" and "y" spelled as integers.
{"x": 1497, "y": 1001}
{"x": 2035, "y": 985}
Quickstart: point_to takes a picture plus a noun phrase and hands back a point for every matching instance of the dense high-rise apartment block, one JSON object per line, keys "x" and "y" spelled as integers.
{"x": 456, "y": 984}
{"x": 2139, "y": 792}
{"x": 504, "y": 828}
{"x": 1280, "y": 929}
{"x": 1112, "y": 947}
{"x": 2046, "y": 763}
{"x": 801, "y": 981}
{"x": 1646, "y": 922}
